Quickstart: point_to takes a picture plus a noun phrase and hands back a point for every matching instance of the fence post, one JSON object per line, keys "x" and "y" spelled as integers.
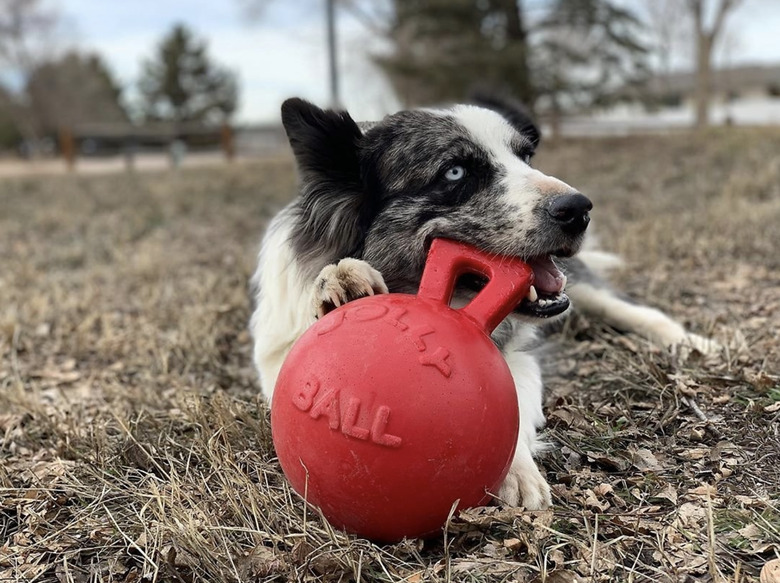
{"x": 130, "y": 149}
{"x": 67, "y": 147}
{"x": 228, "y": 142}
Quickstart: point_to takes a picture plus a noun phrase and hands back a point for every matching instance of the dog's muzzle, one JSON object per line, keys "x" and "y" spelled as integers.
{"x": 570, "y": 212}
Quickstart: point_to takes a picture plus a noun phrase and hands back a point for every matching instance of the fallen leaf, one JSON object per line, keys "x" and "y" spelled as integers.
{"x": 773, "y": 408}
{"x": 592, "y": 502}
{"x": 695, "y": 453}
{"x": 668, "y": 493}
{"x": 644, "y": 460}
{"x": 751, "y": 531}
{"x": 608, "y": 462}
{"x": 771, "y": 572}
{"x": 705, "y": 491}
{"x": 261, "y": 562}
{"x": 560, "y": 577}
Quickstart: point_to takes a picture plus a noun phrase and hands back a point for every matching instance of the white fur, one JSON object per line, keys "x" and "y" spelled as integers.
{"x": 288, "y": 300}
{"x": 283, "y": 303}
{"x": 649, "y": 322}
{"x": 524, "y": 186}
{"x": 600, "y": 262}
{"x": 347, "y": 279}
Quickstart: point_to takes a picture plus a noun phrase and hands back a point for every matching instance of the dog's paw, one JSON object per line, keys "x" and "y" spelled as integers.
{"x": 525, "y": 486}
{"x": 688, "y": 344}
{"x": 702, "y": 344}
{"x": 677, "y": 339}
{"x": 344, "y": 282}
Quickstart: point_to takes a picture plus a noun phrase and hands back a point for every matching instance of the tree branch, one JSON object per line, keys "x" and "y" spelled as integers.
{"x": 723, "y": 10}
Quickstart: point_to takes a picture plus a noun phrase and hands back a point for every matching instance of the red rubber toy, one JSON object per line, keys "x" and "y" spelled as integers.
{"x": 392, "y": 408}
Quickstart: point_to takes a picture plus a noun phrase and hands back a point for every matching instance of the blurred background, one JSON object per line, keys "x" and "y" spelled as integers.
{"x": 141, "y": 158}
{"x": 98, "y": 85}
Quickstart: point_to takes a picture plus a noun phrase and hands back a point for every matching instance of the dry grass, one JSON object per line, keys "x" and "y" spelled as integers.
{"x": 134, "y": 445}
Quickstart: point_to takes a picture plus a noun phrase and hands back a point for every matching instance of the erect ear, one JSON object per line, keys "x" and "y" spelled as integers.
{"x": 514, "y": 112}
{"x": 325, "y": 142}
{"x": 333, "y": 212}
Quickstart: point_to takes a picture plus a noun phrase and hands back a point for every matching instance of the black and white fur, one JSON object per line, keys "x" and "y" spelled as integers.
{"x": 372, "y": 196}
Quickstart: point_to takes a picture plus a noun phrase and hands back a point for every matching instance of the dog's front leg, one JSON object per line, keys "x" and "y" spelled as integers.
{"x": 525, "y": 483}
{"x": 343, "y": 282}
{"x": 602, "y": 302}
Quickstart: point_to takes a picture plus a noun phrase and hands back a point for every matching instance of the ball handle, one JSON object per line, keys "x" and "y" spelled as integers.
{"x": 509, "y": 279}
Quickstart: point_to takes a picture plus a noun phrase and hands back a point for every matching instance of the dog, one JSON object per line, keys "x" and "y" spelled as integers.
{"x": 372, "y": 198}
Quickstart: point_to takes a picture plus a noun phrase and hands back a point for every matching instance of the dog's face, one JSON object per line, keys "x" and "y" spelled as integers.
{"x": 462, "y": 173}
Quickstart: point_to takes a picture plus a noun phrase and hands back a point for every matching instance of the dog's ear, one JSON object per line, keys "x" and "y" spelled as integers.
{"x": 331, "y": 219}
{"x": 324, "y": 141}
{"x": 514, "y": 112}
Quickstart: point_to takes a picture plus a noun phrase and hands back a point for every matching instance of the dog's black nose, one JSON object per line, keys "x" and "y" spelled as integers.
{"x": 570, "y": 211}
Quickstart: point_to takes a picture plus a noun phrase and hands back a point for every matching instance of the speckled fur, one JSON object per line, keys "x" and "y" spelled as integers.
{"x": 376, "y": 194}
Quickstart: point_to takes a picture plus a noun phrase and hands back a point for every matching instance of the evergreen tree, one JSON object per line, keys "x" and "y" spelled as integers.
{"x": 72, "y": 90}
{"x": 181, "y": 84}
{"x": 443, "y": 49}
{"x": 578, "y": 53}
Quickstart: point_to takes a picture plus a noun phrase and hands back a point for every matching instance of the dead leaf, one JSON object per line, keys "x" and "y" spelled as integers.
{"x": 592, "y": 502}
{"x": 695, "y": 453}
{"x": 612, "y": 463}
{"x": 644, "y": 460}
{"x": 668, "y": 493}
{"x": 773, "y": 408}
{"x": 563, "y": 576}
{"x": 771, "y": 572}
{"x": 705, "y": 491}
{"x": 690, "y": 514}
{"x": 261, "y": 562}
{"x": 751, "y": 532}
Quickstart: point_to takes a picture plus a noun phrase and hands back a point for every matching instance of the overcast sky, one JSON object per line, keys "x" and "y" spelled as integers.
{"x": 282, "y": 53}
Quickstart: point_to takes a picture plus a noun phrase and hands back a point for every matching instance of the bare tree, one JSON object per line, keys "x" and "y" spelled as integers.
{"x": 255, "y": 9}
{"x": 667, "y": 23}
{"x": 372, "y": 14}
{"x": 26, "y": 30}
{"x": 706, "y": 38}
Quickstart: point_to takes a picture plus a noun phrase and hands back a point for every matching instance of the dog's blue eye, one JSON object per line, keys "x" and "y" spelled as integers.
{"x": 455, "y": 173}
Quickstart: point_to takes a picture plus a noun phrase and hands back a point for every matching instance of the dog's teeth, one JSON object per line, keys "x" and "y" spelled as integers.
{"x": 532, "y": 295}
{"x": 565, "y": 281}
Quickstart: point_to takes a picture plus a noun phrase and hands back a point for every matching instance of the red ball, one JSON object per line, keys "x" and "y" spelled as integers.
{"x": 394, "y": 408}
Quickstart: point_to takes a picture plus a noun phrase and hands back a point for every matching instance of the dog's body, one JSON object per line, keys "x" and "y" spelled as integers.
{"x": 374, "y": 196}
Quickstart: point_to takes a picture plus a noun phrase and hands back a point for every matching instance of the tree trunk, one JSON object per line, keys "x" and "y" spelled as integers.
{"x": 703, "y": 91}
{"x": 517, "y": 34}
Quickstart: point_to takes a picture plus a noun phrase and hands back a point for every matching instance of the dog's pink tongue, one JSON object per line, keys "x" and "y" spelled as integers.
{"x": 547, "y": 277}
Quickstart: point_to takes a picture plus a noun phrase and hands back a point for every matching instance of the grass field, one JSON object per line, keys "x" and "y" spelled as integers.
{"x": 134, "y": 446}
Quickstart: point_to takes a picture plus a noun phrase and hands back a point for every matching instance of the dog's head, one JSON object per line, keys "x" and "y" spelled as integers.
{"x": 383, "y": 191}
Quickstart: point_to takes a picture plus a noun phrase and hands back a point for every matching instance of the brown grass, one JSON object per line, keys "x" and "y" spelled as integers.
{"x": 134, "y": 445}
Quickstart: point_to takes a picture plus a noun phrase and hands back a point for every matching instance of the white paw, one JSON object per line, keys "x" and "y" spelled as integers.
{"x": 525, "y": 484}
{"x": 691, "y": 342}
{"x": 344, "y": 282}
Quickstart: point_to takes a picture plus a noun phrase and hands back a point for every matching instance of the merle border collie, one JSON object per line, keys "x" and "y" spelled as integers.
{"x": 373, "y": 196}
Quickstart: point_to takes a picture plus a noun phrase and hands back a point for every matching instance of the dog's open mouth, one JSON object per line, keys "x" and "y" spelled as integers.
{"x": 546, "y": 297}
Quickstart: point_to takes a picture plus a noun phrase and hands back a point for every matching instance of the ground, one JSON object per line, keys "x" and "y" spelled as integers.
{"x": 134, "y": 445}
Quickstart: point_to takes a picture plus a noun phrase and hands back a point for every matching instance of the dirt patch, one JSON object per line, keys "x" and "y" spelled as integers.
{"x": 134, "y": 445}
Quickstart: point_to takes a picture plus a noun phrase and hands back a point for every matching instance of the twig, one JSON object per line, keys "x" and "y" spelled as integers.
{"x": 595, "y": 542}
{"x": 448, "y": 542}
{"x": 693, "y": 406}
{"x": 715, "y": 572}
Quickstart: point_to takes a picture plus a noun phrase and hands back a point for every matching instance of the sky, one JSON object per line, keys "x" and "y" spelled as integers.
{"x": 282, "y": 53}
